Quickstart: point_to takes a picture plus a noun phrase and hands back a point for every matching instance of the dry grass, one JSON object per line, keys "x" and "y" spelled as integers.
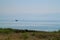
{"x": 29, "y": 35}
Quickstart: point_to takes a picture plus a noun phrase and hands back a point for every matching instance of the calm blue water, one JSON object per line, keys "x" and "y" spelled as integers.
{"x": 31, "y": 25}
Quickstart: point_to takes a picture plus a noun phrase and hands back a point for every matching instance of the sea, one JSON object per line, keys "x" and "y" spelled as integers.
{"x": 39, "y": 25}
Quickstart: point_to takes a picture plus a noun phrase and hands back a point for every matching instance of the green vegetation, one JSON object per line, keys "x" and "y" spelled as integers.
{"x": 15, "y": 34}
{"x": 9, "y": 30}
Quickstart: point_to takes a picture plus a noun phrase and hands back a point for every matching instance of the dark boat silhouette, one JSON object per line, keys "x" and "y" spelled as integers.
{"x": 16, "y": 20}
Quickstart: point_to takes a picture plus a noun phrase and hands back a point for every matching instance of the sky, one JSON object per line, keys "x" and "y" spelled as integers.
{"x": 30, "y": 9}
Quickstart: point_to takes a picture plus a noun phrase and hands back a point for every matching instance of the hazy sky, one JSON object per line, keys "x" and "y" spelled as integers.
{"x": 30, "y": 9}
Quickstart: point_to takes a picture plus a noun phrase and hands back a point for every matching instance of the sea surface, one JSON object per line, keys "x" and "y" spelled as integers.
{"x": 40, "y": 25}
